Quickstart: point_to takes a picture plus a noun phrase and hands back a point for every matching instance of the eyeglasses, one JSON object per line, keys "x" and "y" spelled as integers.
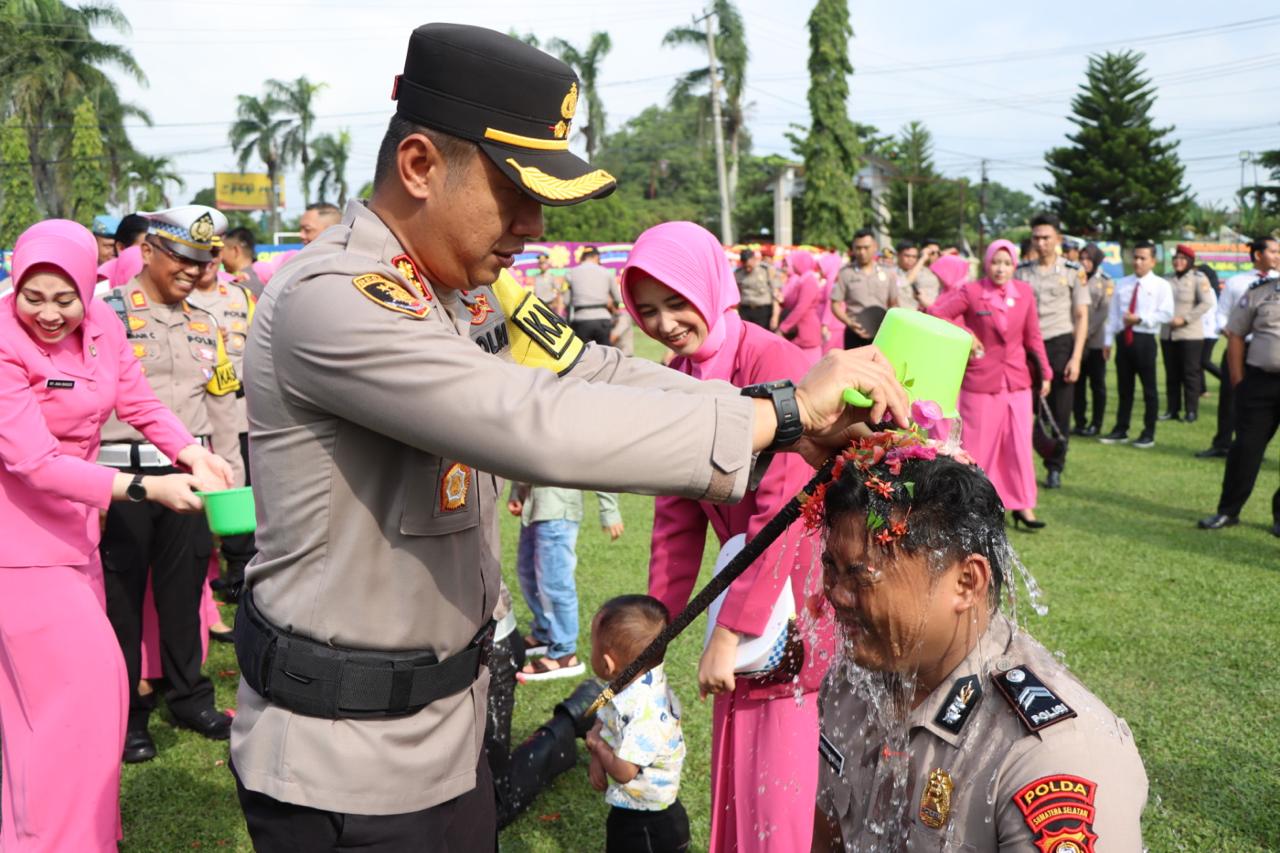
{"x": 172, "y": 255}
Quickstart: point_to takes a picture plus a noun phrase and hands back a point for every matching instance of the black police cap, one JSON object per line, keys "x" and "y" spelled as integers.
{"x": 516, "y": 102}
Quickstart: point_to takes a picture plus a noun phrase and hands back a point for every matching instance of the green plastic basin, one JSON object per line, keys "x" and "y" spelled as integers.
{"x": 929, "y": 355}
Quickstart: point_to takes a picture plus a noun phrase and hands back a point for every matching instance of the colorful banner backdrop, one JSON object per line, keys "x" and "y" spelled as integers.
{"x": 1112, "y": 262}
{"x": 1226, "y": 259}
{"x": 614, "y": 255}
{"x": 234, "y": 191}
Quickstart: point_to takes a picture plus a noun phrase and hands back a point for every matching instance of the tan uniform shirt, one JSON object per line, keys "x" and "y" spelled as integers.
{"x": 1100, "y": 288}
{"x": 1192, "y": 299}
{"x": 623, "y": 333}
{"x": 380, "y": 424}
{"x": 1058, "y": 287}
{"x": 926, "y": 286}
{"x": 860, "y": 290}
{"x": 591, "y": 286}
{"x": 755, "y": 288}
{"x": 177, "y": 346}
{"x": 1258, "y": 314}
{"x": 546, "y": 286}
{"x": 975, "y": 777}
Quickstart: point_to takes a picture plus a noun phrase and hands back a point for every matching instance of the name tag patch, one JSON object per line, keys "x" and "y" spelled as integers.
{"x": 60, "y": 383}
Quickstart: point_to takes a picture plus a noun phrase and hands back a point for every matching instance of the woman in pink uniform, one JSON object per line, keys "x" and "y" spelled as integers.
{"x": 995, "y": 399}
{"x": 802, "y": 320}
{"x": 64, "y": 366}
{"x": 832, "y": 337}
{"x": 764, "y": 753}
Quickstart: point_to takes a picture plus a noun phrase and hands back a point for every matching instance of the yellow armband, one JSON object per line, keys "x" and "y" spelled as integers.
{"x": 539, "y": 336}
{"x": 224, "y": 379}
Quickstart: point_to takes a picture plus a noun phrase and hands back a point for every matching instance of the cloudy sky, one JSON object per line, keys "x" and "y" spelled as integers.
{"x": 993, "y": 85}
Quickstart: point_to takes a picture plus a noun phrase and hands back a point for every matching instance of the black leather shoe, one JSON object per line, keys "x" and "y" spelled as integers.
{"x": 1144, "y": 441}
{"x": 575, "y": 707}
{"x": 1168, "y": 416}
{"x": 214, "y": 725}
{"x": 222, "y": 636}
{"x": 1212, "y": 453}
{"x": 1217, "y": 521}
{"x": 230, "y": 592}
{"x": 1079, "y": 430}
{"x": 1054, "y": 480}
{"x": 1116, "y": 436}
{"x": 138, "y": 746}
{"x": 1090, "y": 431}
{"x": 1191, "y": 417}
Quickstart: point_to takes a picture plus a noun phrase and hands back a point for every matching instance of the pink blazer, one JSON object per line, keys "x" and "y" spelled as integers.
{"x": 53, "y": 402}
{"x": 1008, "y": 333}
{"x": 800, "y": 302}
{"x": 680, "y": 530}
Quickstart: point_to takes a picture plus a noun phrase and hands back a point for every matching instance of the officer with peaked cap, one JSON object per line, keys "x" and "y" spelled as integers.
{"x": 395, "y": 370}
{"x": 187, "y": 366}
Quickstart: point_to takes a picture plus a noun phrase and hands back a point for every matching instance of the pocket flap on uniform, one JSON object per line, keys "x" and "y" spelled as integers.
{"x": 440, "y": 497}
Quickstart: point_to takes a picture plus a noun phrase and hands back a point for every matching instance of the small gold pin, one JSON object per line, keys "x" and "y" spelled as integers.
{"x": 935, "y": 805}
{"x": 93, "y": 351}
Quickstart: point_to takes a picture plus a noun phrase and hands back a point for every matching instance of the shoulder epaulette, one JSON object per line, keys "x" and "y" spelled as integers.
{"x": 1071, "y": 265}
{"x": 1261, "y": 281}
{"x": 1035, "y": 704}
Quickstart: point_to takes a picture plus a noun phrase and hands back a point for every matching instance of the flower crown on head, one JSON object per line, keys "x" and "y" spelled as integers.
{"x": 878, "y": 459}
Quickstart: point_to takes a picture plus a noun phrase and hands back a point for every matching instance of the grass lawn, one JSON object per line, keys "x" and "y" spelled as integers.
{"x": 1174, "y": 627}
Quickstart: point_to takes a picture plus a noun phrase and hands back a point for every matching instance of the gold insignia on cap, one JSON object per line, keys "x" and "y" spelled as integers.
{"x": 526, "y": 141}
{"x": 935, "y": 805}
{"x": 559, "y": 189}
{"x": 569, "y": 105}
{"x": 202, "y": 228}
{"x": 561, "y": 130}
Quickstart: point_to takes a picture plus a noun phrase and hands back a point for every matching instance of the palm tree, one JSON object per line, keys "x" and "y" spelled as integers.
{"x": 51, "y": 62}
{"x": 587, "y": 64}
{"x": 297, "y": 99}
{"x": 147, "y": 177}
{"x": 733, "y": 54}
{"x": 330, "y": 153}
{"x": 258, "y": 129}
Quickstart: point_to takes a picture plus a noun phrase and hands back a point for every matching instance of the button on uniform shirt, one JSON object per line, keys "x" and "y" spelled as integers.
{"x": 1100, "y": 288}
{"x": 976, "y": 776}
{"x": 382, "y": 413}
{"x": 1192, "y": 299}
{"x": 755, "y": 288}
{"x": 592, "y": 285}
{"x": 232, "y": 306}
{"x": 863, "y": 289}
{"x": 1058, "y": 287}
{"x": 642, "y": 725}
{"x": 1155, "y": 305}
{"x": 1257, "y": 313}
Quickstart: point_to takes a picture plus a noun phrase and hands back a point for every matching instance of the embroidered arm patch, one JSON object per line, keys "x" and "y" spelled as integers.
{"x": 1059, "y": 811}
{"x": 392, "y": 295}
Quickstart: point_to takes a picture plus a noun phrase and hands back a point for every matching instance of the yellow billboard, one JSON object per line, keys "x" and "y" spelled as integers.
{"x": 235, "y": 191}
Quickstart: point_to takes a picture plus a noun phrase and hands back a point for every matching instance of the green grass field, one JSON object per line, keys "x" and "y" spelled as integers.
{"x": 1175, "y": 628}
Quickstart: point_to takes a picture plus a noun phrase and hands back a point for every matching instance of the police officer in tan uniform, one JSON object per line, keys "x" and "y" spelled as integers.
{"x": 593, "y": 297}
{"x": 186, "y": 365}
{"x": 1254, "y": 370}
{"x": 395, "y": 370}
{"x": 1062, "y": 302}
{"x": 546, "y": 285}
{"x": 1093, "y": 369}
{"x": 756, "y": 293}
{"x": 1182, "y": 338}
{"x": 945, "y": 726}
{"x": 863, "y": 292}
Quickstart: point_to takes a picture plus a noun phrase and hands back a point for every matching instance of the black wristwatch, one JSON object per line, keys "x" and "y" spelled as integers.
{"x": 783, "y": 396}
{"x": 135, "y": 491}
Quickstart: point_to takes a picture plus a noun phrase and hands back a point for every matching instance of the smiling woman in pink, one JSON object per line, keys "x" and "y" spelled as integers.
{"x": 64, "y": 366}
{"x": 678, "y": 286}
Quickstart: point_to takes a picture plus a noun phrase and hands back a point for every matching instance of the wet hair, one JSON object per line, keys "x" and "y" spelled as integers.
{"x": 863, "y": 232}
{"x": 131, "y": 228}
{"x": 242, "y": 237}
{"x": 1049, "y": 219}
{"x": 903, "y": 246}
{"x": 1094, "y": 254}
{"x": 1258, "y": 246}
{"x": 954, "y": 512}
{"x": 628, "y": 623}
{"x": 451, "y": 148}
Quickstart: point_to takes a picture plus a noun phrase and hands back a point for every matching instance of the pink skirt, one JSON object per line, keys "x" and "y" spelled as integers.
{"x": 996, "y": 431}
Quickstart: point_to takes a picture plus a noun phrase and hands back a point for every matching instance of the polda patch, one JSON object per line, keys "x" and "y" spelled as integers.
{"x": 391, "y": 295}
{"x": 1059, "y": 811}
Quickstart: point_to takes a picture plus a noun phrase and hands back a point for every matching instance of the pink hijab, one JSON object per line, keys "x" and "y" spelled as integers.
{"x": 830, "y": 264}
{"x": 122, "y": 268}
{"x": 952, "y": 270}
{"x": 689, "y": 259}
{"x": 60, "y": 243}
{"x": 998, "y": 245}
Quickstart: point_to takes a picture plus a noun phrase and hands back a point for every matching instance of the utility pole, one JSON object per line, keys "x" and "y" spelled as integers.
{"x": 726, "y": 215}
{"x": 982, "y": 214}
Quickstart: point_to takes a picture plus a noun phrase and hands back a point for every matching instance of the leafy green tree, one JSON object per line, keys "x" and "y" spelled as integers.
{"x": 922, "y": 202}
{"x": 1007, "y": 209}
{"x": 587, "y": 63}
{"x": 1119, "y": 178}
{"x": 89, "y": 186}
{"x": 618, "y": 217}
{"x": 296, "y": 98}
{"x": 330, "y": 153}
{"x": 258, "y": 131}
{"x": 17, "y": 191}
{"x": 148, "y": 177}
{"x": 831, "y": 206}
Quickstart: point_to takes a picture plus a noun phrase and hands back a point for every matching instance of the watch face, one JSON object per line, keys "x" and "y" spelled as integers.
{"x": 136, "y": 491}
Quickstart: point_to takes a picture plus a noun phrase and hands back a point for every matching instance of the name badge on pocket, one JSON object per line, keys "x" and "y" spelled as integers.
{"x": 60, "y": 383}
{"x": 984, "y": 313}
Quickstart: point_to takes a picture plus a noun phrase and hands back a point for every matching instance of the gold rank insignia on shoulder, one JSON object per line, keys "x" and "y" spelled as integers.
{"x": 137, "y": 299}
{"x": 391, "y": 295}
{"x": 407, "y": 268}
{"x": 935, "y": 805}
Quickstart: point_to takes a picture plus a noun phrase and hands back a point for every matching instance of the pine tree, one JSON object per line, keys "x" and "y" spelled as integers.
{"x": 89, "y": 188}
{"x": 1118, "y": 179}
{"x": 934, "y": 201}
{"x": 17, "y": 191}
{"x": 831, "y": 206}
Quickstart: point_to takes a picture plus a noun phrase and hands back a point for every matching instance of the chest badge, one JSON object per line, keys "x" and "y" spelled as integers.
{"x": 136, "y": 323}
{"x": 935, "y": 805}
{"x": 391, "y": 295}
{"x": 453, "y": 487}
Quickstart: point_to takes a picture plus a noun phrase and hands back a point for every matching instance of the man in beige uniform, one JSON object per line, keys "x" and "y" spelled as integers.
{"x": 918, "y": 287}
{"x": 1182, "y": 338}
{"x": 186, "y": 365}
{"x": 863, "y": 291}
{"x": 546, "y": 285}
{"x": 594, "y": 297}
{"x": 998, "y": 747}
{"x": 756, "y": 293}
{"x": 385, "y": 401}
{"x": 1062, "y": 302}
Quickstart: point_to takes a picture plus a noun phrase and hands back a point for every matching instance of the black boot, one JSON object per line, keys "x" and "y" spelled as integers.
{"x": 548, "y": 752}
{"x": 579, "y": 701}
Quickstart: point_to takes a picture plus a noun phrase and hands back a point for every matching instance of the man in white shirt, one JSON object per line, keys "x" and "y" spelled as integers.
{"x": 1265, "y": 252}
{"x": 1141, "y": 304}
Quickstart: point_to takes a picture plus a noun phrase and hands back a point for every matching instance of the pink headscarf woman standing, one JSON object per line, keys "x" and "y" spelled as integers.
{"x": 678, "y": 286}
{"x": 830, "y": 265}
{"x": 801, "y": 306}
{"x": 995, "y": 399}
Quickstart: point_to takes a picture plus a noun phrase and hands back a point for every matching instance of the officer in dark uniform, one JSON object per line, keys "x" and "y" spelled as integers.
{"x": 1256, "y": 379}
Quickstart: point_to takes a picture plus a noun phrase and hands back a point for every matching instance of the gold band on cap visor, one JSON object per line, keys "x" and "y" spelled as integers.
{"x": 525, "y": 141}
{"x": 559, "y": 189}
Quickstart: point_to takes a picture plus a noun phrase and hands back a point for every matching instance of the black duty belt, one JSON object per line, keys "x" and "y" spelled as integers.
{"x": 325, "y": 681}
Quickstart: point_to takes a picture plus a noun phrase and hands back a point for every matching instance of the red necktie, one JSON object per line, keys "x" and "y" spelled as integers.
{"x": 1133, "y": 308}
